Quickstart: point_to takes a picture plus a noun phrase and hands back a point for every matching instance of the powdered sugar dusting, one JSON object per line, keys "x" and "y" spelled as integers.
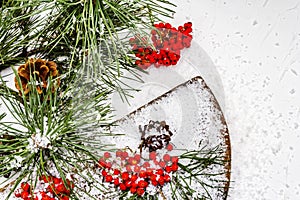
{"x": 194, "y": 118}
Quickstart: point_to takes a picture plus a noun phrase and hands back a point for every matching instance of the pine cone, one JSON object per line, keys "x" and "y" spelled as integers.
{"x": 39, "y": 68}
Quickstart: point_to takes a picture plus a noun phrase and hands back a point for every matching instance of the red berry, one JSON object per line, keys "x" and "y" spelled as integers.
{"x": 128, "y": 168}
{"x": 154, "y": 182}
{"x": 142, "y": 184}
{"x": 174, "y": 159}
{"x": 167, "y": 157}
{"x": 24, "y": 195}
{"x": 149, "y": 172}
{"x": 160, "y": 172}
{"x": 116, "y": 172}
{"x": 25, "y": 186}
{"x": 137, "y": 169}
{"x": 18, "y": 193}
{"x": 119, "y": 153}
{"x": 174, "y": 167}
{"x": 140, "y": 191}
{"x": 57, "y": 180}
{"x": 137, "y": 157}
{"x": 106, "y": 155}
{"x": 134, "y": 185}
{"x": 124, "y": 155}
{"x": 167, "y": 62}
{"x": 108, "y": 165}
{"x": 146, "y": 164}
{"x": 162, "y": 164}
{"x": 123, "y": 187}
{"x": 153, "y": 177}
{"x": 125, "y": 176}
{"x": 60, "y": 188}
{"x": 134, "y": 178}
{"x": 133, "y": 190}
{"x": 167, "y": 178}
{"x": 169, "y": 147}
{"x": 134, "y": 162}
{"x": 108, "y": 178}
{"x": 161, "y": 180}
{"x": 188, "y": 25}
{"x": 173, "y": 62}
{"x": 102, "y": 163}
{"x": 168, "y": 169}
{"x": 128, "y": 184}
{"x": 168, "y": 25}
{"x": 116, "y": 182}
{"x": 104, "y": 173}
{"x": 161, "y": 25}
{"x": 152, "y": 155}
{"x": 143, "y": 174}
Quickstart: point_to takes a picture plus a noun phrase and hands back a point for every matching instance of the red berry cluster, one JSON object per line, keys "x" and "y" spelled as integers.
{"x": 134, "y": 173}
{"x": 56, "y": 190}
{"x": 168, "y": 42}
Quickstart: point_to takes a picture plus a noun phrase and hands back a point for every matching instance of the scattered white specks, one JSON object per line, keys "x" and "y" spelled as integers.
{"x": 38, "y": 141}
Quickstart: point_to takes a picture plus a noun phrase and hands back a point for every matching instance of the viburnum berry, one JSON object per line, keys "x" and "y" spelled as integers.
{"x": 149, "y": 172}
{"x": 107, "y": 155}
{"x": 102, "y": 163}
{"x": 128, "y": 184}
{"x": 128, "y": 168}
{"x": 64, "y": 198}
{"x": 120, "y": 153}
{"x": 134, "y": 185}
{"x": 142, "y": 184}
{"x": 18, "y": 193}
{"x": 125, "y": 176}
{"x": 116, "y": 172}
{"x": 116, "y": 181}
{"x": 136, "y": 168}
{"x": 123, "y": 187}
{"x": 153, "y": 177}
{"x": 143, "y": 174}
{"x": 168, "y": 169}
{"x": 60, "y": 188}
{"x": 25, "y": 186}
{"x": 154, "y": 182}
{"x": 152, "y": 155}
{"x": 133, "y": 190}
{"x": 134, "y": 177}
{"x": 167, "y": 157}
{"x": 108, "y": 178}
{"x": 137, "y": 157}
{"x": 146, "y": 164}
{"x": 140, "y": 191}
{"x": 108, "y": 165}
{"x": 24, "y": 195}
{"x": 161, "y": 180}
{"x": 104, "y": 173}
{"x": 169, "y": 147}
{"x": 174, "y": 159}
{"x": 174, "y": 167}
{"x": 124, "y": 155}
{"x": 162, "y": 164}
{"x": 167, "y": 178}
{"x": 159, "y": 172}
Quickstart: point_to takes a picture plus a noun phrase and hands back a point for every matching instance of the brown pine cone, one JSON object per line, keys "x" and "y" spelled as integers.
{"x": 41, "y": 69}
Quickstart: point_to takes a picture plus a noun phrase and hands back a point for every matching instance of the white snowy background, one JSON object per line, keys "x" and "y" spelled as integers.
{"x": 255, "y": 48}
{"x": 248, "y": 53}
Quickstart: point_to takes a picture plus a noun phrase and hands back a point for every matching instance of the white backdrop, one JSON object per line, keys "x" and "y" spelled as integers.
{"x": 255, "y": 47}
